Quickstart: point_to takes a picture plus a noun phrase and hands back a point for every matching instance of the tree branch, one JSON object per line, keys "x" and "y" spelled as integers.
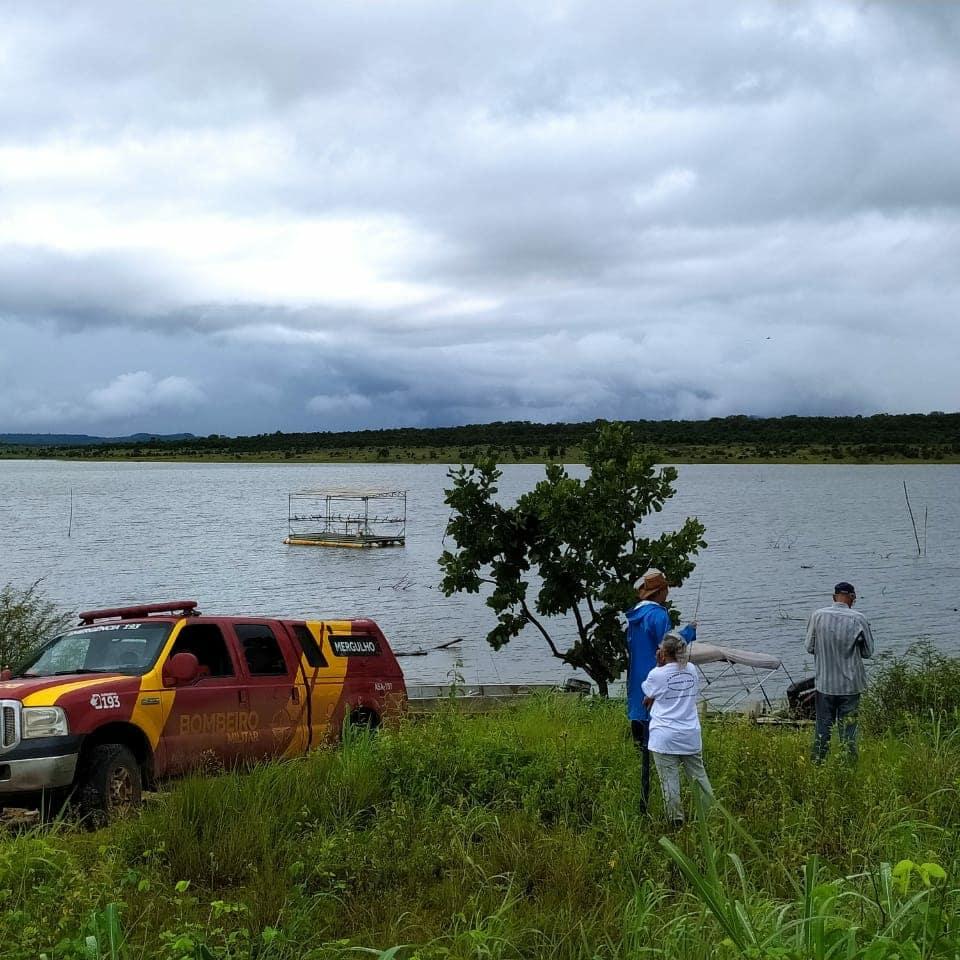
{"x": 546, "y": 636}
{"x": 593, "y": 611}
{"x": 581, "y": 629}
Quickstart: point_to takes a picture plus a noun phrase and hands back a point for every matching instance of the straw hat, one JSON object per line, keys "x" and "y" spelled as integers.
{"x": 651, "y": 583}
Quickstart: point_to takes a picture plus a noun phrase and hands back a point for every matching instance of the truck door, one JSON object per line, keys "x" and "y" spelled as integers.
{"x": 275, "y": 690}
{"x": 322, "y": 676}
{"x": 207, "y": 721}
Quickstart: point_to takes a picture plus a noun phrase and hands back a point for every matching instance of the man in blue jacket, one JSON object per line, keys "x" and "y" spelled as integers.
{"x": 647, "y": 624}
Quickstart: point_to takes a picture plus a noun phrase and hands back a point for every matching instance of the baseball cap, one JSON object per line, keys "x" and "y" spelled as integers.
{"x": 844, "y": 587}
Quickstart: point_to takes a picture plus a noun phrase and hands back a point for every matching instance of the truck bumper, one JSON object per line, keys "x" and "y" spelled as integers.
{"x": 35, "y": 774}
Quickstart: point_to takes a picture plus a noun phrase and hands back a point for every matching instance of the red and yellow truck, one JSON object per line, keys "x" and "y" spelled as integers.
{"x": 134, "y": 695}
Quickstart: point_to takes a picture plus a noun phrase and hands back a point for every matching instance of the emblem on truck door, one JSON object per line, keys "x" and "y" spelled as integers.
{"x": 105, "y": 701}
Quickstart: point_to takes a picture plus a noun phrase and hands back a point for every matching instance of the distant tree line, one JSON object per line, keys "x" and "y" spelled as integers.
{"x": 914, "y": 436}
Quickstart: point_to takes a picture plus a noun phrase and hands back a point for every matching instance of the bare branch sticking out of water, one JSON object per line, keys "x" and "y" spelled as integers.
{"x": 404, "y": 583}
{"x": 784, "y": 542}
{"x": 914, "y": 522}
{"x": 423, "y": 651}
{"x": 784, "y": 615}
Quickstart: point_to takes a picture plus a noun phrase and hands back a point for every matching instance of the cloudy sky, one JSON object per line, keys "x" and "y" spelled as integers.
{"x": 240, "y": 217}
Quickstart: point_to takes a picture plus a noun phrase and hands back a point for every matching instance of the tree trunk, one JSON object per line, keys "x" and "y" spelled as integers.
{"x": 602, "y": 688}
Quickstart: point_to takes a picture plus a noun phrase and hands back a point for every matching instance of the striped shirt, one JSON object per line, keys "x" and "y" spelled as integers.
{"x": 839, "y": 639}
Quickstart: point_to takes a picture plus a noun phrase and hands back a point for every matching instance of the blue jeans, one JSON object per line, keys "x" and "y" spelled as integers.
{"x": 840, "y": 710}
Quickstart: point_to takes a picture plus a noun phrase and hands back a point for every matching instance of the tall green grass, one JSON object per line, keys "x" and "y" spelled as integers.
{"x": 514, "y": 834}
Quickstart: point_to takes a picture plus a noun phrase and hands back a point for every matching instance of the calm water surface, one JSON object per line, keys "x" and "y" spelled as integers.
{"x": 779, "y": 538}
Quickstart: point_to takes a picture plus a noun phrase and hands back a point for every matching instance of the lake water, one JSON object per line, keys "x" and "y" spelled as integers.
{"x": 779, "y": 538}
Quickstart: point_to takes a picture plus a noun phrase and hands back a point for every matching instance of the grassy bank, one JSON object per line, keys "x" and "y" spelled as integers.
{"x": 510, "y": 835}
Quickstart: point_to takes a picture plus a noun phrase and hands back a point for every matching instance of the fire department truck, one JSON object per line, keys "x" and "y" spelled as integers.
{"x": 139, "y": 694}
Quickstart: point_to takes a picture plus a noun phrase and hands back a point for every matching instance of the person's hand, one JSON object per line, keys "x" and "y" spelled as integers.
{"x": 648, "y": 702}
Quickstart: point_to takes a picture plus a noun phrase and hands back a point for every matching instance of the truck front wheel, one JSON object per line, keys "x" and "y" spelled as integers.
{"x": 109, "y": 784}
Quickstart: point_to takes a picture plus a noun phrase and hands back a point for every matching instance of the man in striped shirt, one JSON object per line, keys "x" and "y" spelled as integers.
{"x": 839, "y": 638}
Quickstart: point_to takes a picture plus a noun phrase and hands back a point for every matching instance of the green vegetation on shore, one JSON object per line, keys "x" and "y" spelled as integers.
{"x": 517, "y": 834}
{"x": 883, "y": 438}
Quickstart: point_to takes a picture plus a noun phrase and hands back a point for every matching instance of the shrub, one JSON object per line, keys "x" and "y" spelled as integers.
{"x": 27, "y": 620}
{"x": 924, "y": 684}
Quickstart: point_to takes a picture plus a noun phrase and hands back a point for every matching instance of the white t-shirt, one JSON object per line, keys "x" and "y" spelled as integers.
{"x": 674, "y": 724}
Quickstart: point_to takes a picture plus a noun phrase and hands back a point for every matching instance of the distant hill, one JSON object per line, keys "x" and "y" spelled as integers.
{"x": 82, "y": 439}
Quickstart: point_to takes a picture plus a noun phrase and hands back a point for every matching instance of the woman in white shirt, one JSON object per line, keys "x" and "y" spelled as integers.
{"x": 671, "y": 690}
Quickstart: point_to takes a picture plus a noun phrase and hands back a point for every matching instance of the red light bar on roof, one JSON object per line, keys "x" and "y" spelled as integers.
{"x": 186, "y": 607}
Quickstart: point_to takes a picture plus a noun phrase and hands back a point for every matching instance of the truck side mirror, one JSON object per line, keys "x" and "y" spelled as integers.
{"x": 182, "y": 668}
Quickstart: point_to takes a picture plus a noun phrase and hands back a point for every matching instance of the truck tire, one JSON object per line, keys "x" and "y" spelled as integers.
{"x": 363, "y": 720}
{"x": 109, "y": 784}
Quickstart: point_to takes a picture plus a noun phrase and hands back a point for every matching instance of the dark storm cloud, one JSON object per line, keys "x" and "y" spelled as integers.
{"x": 78, "y": 290}
{"x": 426, "y": 212}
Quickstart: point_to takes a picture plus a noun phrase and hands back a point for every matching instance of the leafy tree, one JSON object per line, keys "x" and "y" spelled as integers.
{"x": 579, "y": 539}
{"x": 27, "y": 619}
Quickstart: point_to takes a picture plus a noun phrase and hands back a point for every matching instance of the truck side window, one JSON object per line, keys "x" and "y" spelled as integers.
{"x": 206, "y": 643}
{"x": 261, "y": 650}
{"x": 308, "y": 644}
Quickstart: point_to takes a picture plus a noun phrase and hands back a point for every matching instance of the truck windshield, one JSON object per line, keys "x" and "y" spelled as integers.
{"x": 130, "y": 648}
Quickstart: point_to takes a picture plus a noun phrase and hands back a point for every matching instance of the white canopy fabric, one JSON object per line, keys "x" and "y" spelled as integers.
{"x": 701, "y": 653}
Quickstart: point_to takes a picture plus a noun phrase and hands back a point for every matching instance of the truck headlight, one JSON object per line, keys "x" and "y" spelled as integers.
{"x": 43, "y": 722}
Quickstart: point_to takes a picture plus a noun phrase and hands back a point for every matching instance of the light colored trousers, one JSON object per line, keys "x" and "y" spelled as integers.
{"x": 668, "y": 770}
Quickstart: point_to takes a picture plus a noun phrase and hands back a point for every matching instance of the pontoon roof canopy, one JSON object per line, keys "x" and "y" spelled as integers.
{"x": 711, "y": 653}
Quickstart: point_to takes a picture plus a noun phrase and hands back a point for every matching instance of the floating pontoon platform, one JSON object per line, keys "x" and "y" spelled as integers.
{"x": 323, "y": 539}
{"x": 347, "y": 518}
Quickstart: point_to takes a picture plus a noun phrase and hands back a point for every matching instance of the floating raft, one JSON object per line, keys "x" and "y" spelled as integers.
{"x": 325, "y": 539}
{"x": 358, "y": 519}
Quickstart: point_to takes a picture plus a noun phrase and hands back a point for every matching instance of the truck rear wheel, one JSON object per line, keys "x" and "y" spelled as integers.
{"x": 363, "y": 720}
{"x": 109, "y": 784}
